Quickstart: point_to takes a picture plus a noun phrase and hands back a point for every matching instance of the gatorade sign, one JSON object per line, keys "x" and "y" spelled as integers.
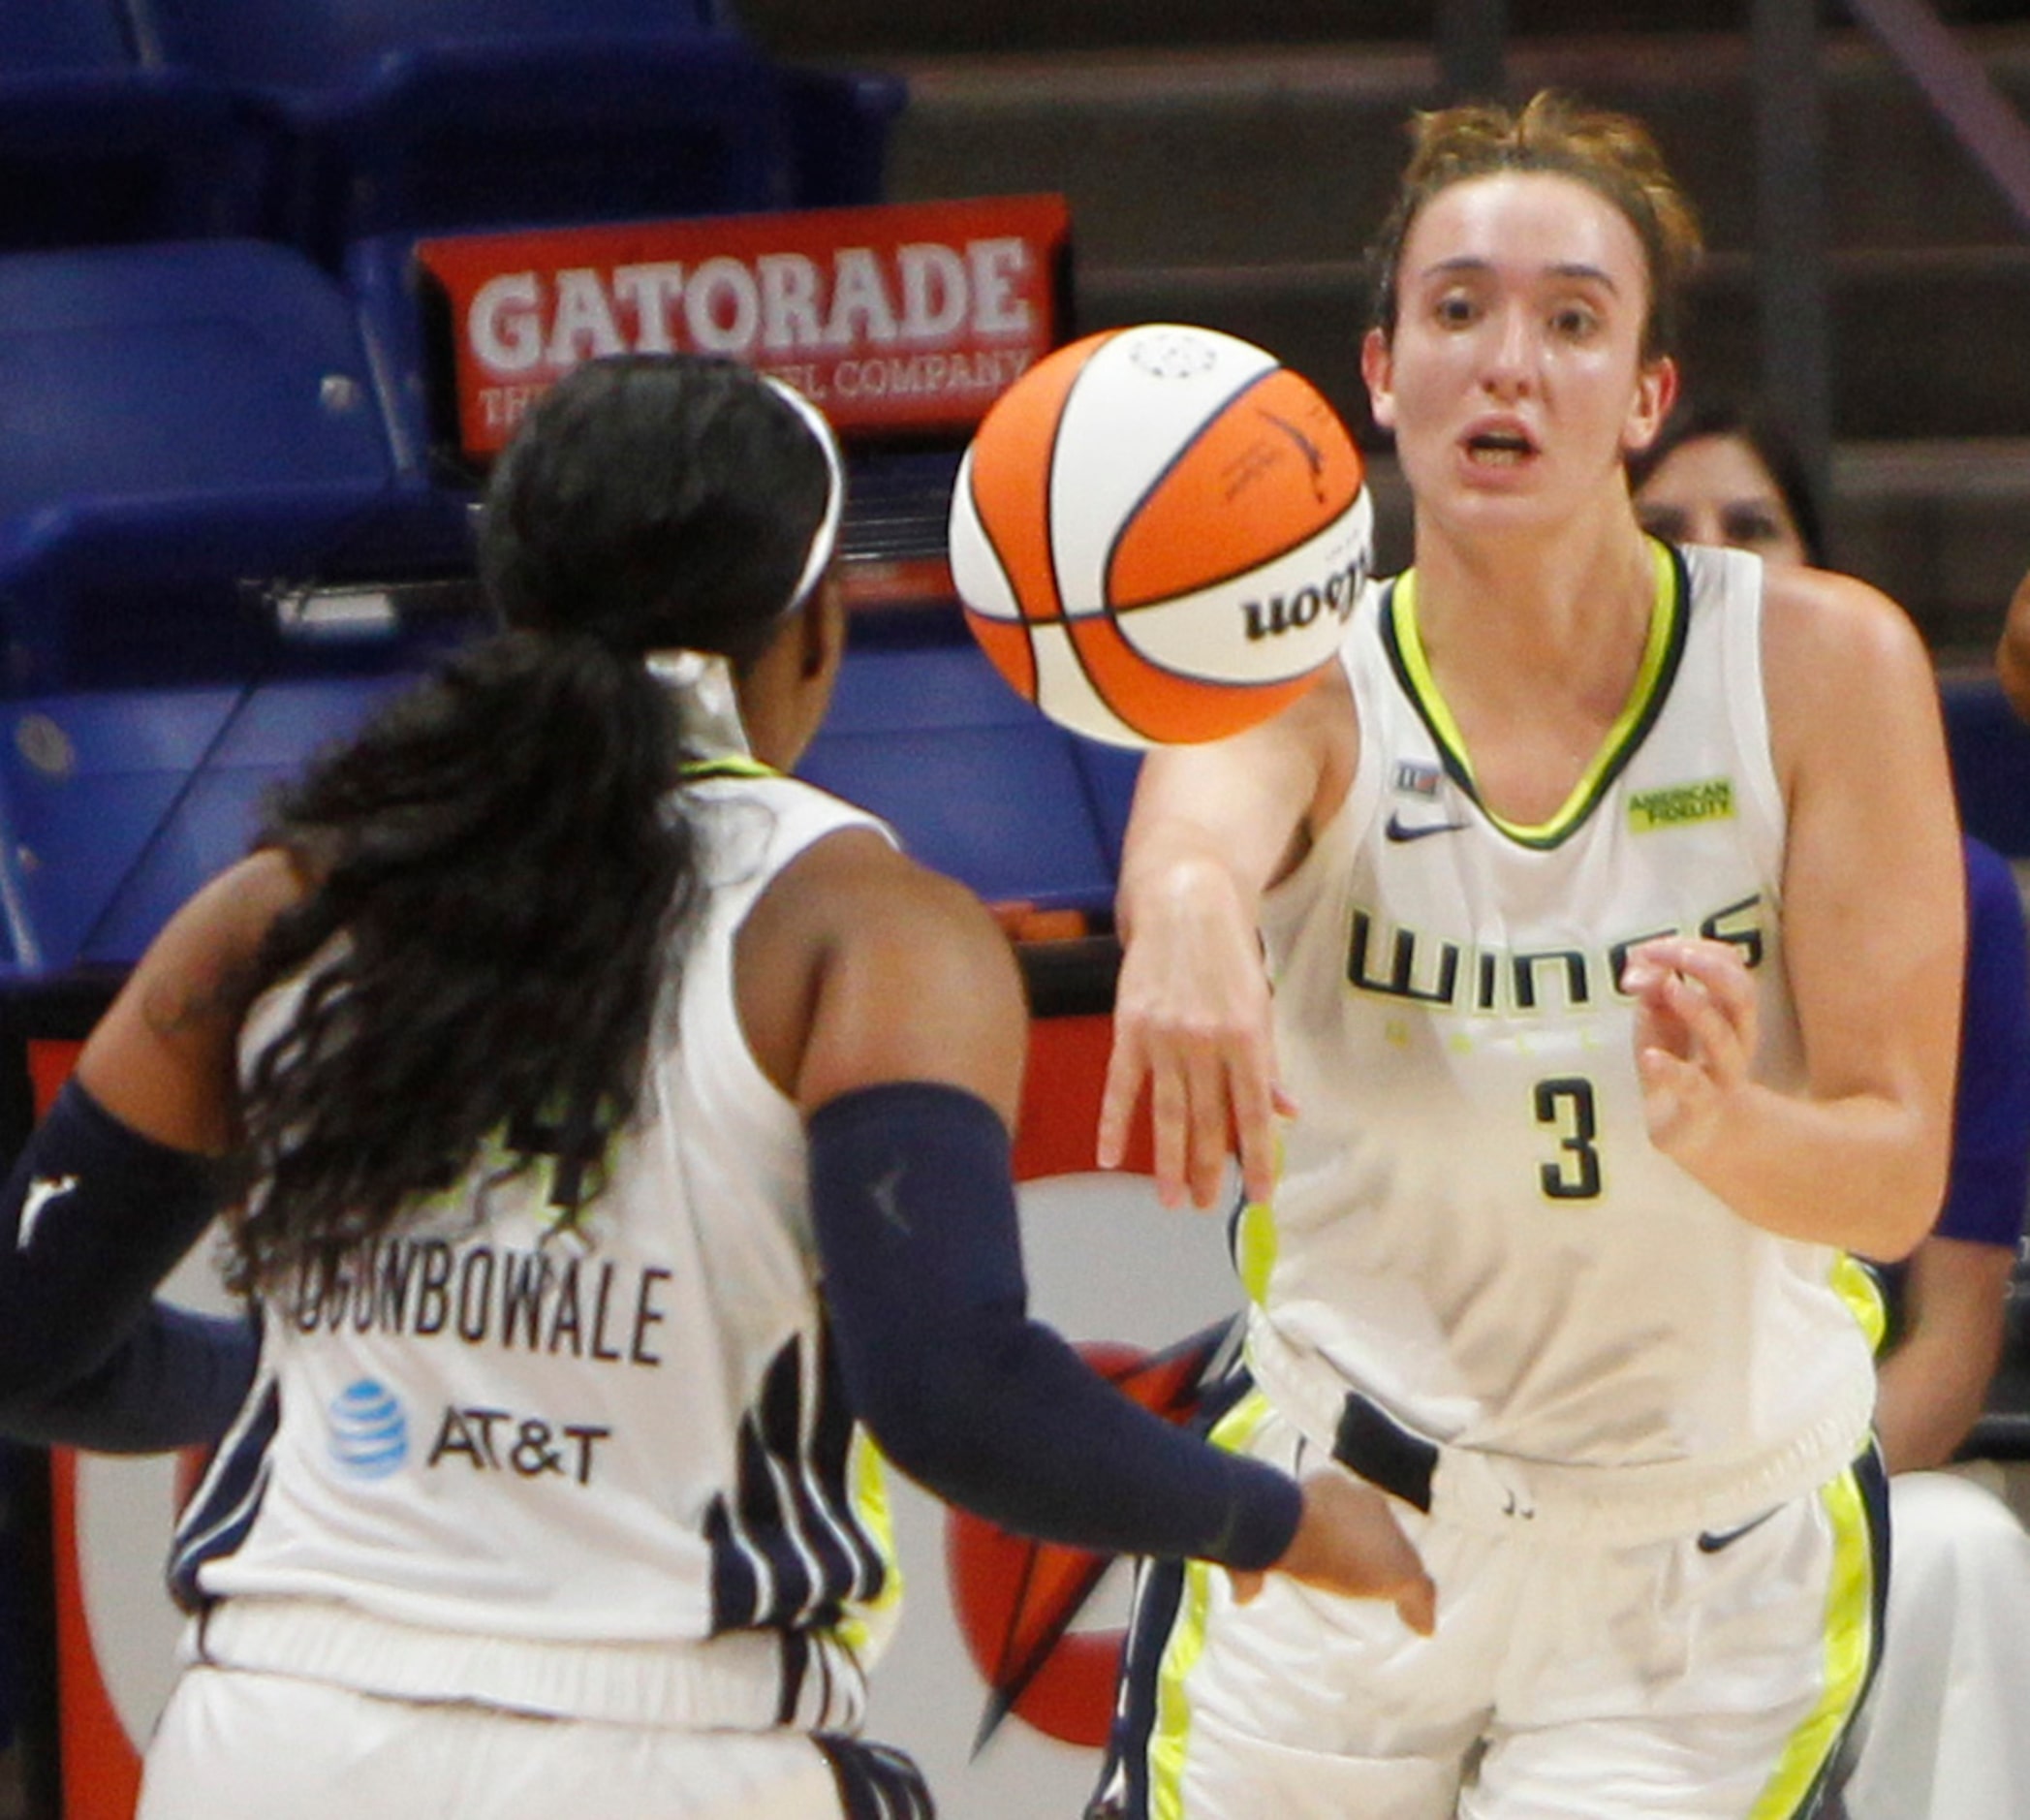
{"x": 910, "y": 317}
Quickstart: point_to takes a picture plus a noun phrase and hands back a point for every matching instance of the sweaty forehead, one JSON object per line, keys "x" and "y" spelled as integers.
{"x": 1526, "y": 223}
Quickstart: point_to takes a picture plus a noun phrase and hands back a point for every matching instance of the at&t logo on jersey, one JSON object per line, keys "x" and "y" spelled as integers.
{"x": 368, "y": 1432}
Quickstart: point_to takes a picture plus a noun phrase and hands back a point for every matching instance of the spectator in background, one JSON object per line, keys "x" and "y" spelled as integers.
{"x": 1942, "y": 1737}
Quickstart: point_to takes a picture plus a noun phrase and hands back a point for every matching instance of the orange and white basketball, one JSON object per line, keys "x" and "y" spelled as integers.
{"x": 1159, "y": 533}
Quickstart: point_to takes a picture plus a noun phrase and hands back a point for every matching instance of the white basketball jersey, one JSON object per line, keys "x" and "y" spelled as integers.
{"x": 489, "y": 1426}
{"x": 1471, "y": 1224}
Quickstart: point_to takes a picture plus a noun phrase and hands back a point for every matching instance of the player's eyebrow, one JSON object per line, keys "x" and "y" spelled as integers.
{"x": 1561, "y": 268}
{"x": 1591, "y": 274}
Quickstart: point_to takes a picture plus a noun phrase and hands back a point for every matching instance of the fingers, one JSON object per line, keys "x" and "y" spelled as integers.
{"x": 1211, "y": 1095}
{"x": 1259, "y": 1102}
{"x": 1416, "y": 1604}
{"x": 1127, "y": 1067}
{"x": 1717, "y": 966}
{"x": 1349, "y": 1542}
{"x": 1170, "y": 1119}
{"x": 1697, "y": 999}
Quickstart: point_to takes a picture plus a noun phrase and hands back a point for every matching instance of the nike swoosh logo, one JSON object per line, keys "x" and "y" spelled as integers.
{"x": 1400, "y": 830}
{"x": 884, "y": 1193}
{"x": 1711, "y": 1542}
{"x": 43, "y": 1191}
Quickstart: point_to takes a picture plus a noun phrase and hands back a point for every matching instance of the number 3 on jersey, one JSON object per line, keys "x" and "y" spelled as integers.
{"x": 1564, "y": 1104}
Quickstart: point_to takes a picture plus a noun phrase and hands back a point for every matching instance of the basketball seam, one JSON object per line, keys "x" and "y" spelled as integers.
{"x": 1226, "y": 403}
{"x": 1155, "y": 487}
{"x": 993, "y": 547}
{"x": 1064, "y": 410}
{"x": 1232, "y": 575}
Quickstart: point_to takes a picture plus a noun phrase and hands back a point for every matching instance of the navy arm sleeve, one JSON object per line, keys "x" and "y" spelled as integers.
{"x": 177, "y": 1380}
{"x": 917, "y": 1237}
{"x": 94, "y": 1215}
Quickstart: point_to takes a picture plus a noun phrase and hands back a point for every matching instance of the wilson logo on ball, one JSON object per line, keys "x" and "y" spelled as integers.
{"x": 1159, "y": 535}
{"x": 1271, "y": 618}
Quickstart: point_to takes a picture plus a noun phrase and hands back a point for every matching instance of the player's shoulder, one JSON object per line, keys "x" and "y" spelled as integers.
{"x": 855, "y": 890}
{"x": 1847, "y": 679}
{"x": 1825, "y": 625}
{"x": 857, "y": 964}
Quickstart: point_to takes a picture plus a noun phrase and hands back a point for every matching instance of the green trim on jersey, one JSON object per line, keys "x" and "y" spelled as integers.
{"x": 1169, "y": 1743}
{"x": 1850, "y": 1646}
{"x": 1668, "y": 624}
{"x": 727, "y": 764}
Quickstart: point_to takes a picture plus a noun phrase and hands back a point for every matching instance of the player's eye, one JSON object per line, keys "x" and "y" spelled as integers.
{"x": 1750, "y": 526}
{"x": 1664, "y": 521}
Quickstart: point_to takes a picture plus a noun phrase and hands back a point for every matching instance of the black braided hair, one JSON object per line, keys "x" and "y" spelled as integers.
{"x": 500, "y": 884}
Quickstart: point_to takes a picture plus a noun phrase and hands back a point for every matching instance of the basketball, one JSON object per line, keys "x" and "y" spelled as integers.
{"x": 1158, "y": 535}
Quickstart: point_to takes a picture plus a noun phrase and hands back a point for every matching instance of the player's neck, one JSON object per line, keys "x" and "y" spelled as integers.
{"x": 1572, "y": 607}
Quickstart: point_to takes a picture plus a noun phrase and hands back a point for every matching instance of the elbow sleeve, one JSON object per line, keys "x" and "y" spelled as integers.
{"x": 914, "y": 1205}
{"x": 94, "y": 1215}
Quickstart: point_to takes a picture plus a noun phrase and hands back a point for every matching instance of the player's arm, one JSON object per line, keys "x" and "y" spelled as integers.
{"x": 119, "y": 1179}
{"x": 1873, "y": 932}
{"x": 1933, "y": 1387}
{"x": 2013, "y": 650}
{"x": 887, "y": 1002}
{"x": 1212, "y": 828}
{"x": 175, "y": 1380}
{"x": 1934, "y": 1384}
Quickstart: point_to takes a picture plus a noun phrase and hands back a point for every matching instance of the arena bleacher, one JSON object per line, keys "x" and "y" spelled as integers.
{"x": 230, "y": 509}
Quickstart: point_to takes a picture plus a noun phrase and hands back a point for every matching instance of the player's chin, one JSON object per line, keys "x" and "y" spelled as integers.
{"x": 1499, "y": 503}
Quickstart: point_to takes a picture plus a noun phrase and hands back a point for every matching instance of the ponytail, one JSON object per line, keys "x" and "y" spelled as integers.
{"x": 498, "y": 879}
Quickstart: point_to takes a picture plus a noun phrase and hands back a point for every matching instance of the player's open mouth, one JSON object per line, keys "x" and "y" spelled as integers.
{"x": 1499, "y": 448}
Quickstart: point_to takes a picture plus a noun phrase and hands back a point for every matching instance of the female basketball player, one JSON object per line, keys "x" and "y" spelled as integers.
{"x": 1960, "y": 1588}
{"x": 1611, "y": 907}
{"x": 619, "y": 1119}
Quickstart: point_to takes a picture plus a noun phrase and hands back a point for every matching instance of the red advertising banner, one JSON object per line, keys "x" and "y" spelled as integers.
{"x": 909, "y": 316}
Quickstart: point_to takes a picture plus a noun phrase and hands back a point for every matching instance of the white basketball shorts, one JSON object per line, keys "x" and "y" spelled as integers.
{"x": 237, "y": 1744}
{"x": 1703, "y": 1678}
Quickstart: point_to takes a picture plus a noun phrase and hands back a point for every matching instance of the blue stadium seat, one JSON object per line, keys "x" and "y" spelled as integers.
{"x": 94, "y": 147}
{"x": 1108, "y": 774}
{"x": 483, "y": 114}
{"x": 185, "y": 416}
{"x": 313, "y": 46}
{"x": 62, "y": 35}
{"x": 117, "y": 805}
{"x": 190, "y": 367}
{"x": 977, "y": 783}
{"x": 191, "y": 437}
{"x": 839, "y": 126}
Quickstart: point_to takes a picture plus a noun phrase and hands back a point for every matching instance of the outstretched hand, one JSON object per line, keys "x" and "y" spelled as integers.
{"x": 1192, "y": 1020}
{"x": 1349, "y": 1542}
{"x": 1696, "y": 1026}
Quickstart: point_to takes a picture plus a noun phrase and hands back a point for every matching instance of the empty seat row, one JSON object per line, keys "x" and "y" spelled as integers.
{"x": 320, "y": 122}
{"x": 220, "y": 546}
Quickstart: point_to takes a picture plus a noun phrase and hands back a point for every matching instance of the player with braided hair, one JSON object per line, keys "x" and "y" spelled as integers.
{"x": 613, "y": 1132}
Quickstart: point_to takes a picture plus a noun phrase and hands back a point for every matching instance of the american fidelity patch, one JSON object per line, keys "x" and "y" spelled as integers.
{"x": 1676, "y": 805}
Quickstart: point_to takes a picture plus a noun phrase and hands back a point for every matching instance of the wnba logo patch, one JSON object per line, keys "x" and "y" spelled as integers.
{"x": 368, "y": 1433}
